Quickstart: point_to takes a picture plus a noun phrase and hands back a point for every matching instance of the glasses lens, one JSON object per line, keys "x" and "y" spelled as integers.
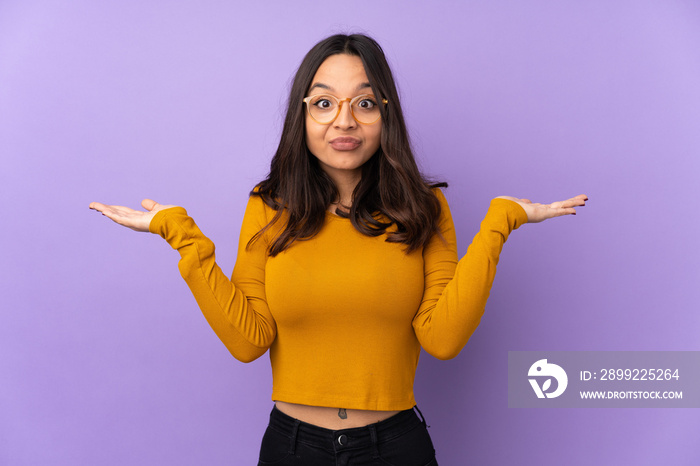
{"x": 323, "y": 108}
{"x": 365, "y": 108}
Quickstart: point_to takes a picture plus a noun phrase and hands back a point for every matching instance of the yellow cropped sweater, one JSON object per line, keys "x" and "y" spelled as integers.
{"x": 344, "y": 315}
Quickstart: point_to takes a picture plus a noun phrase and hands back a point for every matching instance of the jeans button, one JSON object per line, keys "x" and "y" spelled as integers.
{"x": 342, "y": 439}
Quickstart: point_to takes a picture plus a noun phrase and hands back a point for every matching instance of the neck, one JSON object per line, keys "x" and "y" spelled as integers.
{"x": 345, "y": 183}
{"x": 345, "y": 193}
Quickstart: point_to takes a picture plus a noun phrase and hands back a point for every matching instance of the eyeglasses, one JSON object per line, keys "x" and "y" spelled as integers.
{"x": 325, "y": 108}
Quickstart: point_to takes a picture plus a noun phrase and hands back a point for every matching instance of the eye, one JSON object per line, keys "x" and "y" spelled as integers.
{"x": 367, "y": 103}
{"x": 323, "y": 103}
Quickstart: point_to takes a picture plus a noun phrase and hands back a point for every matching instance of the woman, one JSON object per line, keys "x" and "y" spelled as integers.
{"x": 347, "y": 266}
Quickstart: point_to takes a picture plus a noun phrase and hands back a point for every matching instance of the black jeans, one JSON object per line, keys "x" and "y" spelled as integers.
{"x": 401, "y": 440}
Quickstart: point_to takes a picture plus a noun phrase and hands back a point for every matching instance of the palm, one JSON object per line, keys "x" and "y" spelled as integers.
{"x": 537, "y": 212}
{"x": 135, "y": 219}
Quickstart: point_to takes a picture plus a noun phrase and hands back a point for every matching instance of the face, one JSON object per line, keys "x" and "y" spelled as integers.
{"x": 344, "y": 145}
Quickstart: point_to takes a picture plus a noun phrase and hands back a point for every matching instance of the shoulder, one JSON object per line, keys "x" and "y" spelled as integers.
{"x": 444, "y": 223}
{"x": 258, "y": 208}
{"x": 442, "y": 202}
{"x": 263, "y": 215}
{"x": 437, "y": 192}
{"x": 263, "y": 201}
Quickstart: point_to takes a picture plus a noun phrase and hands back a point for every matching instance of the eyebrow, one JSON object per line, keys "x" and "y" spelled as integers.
{"x": 329, "y": 88}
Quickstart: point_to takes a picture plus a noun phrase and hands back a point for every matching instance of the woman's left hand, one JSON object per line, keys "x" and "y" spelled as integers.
{"x": 537, "y": 212}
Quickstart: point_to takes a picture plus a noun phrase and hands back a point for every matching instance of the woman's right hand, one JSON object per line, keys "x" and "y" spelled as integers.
{"x": 130, "y": 218}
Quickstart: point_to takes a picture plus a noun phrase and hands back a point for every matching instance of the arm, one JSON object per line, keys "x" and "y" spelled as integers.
{"x": 236, "y": 309}
{"x": 456, "y": 292}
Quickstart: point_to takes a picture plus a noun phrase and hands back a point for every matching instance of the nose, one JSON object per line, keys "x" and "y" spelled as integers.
{"x": 344, "y": 119}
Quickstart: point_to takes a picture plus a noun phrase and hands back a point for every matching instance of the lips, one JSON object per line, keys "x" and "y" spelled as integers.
{"x": 345, "y": 143}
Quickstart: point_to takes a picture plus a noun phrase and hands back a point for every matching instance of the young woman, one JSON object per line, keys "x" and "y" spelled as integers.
{"x": 347, "y": 266}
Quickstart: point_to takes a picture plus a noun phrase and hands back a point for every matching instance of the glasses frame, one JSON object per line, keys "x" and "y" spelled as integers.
{"x": 307, "y": 100}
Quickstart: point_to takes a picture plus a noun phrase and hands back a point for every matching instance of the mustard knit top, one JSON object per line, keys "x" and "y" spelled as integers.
{"x": 344, "y": 315}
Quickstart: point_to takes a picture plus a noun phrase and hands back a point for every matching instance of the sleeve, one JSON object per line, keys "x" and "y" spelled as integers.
{"x": 236, "y": 309}
{"x": 456, "y": 292}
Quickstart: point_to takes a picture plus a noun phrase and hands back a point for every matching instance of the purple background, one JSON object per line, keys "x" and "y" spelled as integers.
{"x": 105, "y": 358}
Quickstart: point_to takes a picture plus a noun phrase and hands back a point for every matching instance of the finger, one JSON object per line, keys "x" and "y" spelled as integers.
{"x": 117, "y": 213}
{"x": 573, "y": 202}
{"x": 526, "y": 201}
{"x": 569, "y": 211}
{"x": 97, "y": 206}
{"x": 579, "y": 200}
{"x": 149, "y": 204}
{"x": 110, "y": 211}
{"x": 110, "y": 208}
{"x": 551, "y": 213}
{"x": 556, "y": 205}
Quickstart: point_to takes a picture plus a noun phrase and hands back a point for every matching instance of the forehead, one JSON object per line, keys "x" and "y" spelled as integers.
{"x": 341, "y": 73}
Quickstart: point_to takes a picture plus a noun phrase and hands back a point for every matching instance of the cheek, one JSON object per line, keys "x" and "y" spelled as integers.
{"x": 376, "y": 137}
{"x": 314, "y": 137}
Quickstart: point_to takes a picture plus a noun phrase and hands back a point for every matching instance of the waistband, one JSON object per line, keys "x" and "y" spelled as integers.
{"x": 345, "y": 439}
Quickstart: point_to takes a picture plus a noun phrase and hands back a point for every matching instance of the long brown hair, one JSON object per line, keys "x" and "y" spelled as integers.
{"x": 391, "y": 191}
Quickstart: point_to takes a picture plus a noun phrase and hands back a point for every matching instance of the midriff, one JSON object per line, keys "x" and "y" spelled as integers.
{"x": 329, "y": 418}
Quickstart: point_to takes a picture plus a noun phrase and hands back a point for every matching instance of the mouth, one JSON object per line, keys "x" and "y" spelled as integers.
{"x": 345, "y": 143}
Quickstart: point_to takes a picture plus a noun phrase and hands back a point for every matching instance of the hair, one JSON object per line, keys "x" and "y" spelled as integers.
{"x": 391, "y": 191}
